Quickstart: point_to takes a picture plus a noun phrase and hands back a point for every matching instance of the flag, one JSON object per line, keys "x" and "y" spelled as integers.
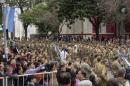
{"x": 9, "y": 18}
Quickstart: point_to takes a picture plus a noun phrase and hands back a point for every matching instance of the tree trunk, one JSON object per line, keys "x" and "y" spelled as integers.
{"x": 21, "y": 9}
{"x": 60, "y": 28}
{"x": 97, "y": 26}
{"x": 97, "y": 31}
{"x": 24, "y": 24}
{"x": 25, "y": 30}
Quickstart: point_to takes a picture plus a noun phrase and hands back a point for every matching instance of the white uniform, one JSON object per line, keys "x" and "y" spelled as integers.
{"x": 63, "y": 55}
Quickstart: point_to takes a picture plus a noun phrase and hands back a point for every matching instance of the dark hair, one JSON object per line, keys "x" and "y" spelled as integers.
{"x": 64, "y": 78}
{"x": 92, "y": 78}
{"x": 127, "y": 74}
{"x": 121, "y": 73}
{"x": 30, "y": 77}
{"x": 29, "y": 64}
{"x": 77, "y": 71}
{"x": 112, "y": 82}
{"x": 98, "y": 59}
{"x": 69, "y": 63}
{"x": 83, "y": 73}
{"x": 115, "y": 58}
{"x": 17, "y": 69}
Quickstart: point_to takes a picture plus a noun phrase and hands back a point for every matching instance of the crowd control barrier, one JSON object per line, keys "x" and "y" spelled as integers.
{"x": 43, "y": 79}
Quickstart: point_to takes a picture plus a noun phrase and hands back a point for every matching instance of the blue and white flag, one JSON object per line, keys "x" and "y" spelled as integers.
{"x": 9, "y": 18}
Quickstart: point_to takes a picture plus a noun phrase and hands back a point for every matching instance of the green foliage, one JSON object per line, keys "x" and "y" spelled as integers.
{"x": 115, "y": 8}
{"x": 22, "y": 4}
{"x": 72, "y": 10}
{"x": 27, "y": 17}
{"x": 33, "y": 15}
{"x": 41, "y": 16}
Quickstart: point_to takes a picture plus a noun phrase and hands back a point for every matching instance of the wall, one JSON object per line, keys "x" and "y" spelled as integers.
{"x": 19, "y": 30}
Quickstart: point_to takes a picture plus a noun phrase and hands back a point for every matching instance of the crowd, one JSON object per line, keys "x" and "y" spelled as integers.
{"x": 78, "y": 63}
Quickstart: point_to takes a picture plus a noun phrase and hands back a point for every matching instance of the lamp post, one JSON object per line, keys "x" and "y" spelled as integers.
{"x": 2, "y": 2}
{"x": 121, "y": 26}
{"x": 123, "y": 12}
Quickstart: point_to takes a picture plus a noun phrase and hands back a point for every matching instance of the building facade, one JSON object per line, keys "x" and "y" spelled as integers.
{"x": 85, "y": 28}
{"x": 108, "y": 30}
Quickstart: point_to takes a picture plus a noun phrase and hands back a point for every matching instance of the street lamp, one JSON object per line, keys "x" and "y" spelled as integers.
{"x": 122, "y": 12}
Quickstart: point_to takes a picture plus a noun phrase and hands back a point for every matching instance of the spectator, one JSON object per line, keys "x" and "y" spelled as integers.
{"x": 32, "y": 54}
{"x": 31, "y": 68}
{"x": 84, "y": 81}
{"x": 120, "y": 77}
{"x": 32, "y": 81}
{"x": 77, "y": 78}
{"x": 64, "y": 79}
{"x": 113, "y": 82}
{"x": 92, "y": 78}
{"x": 63, "y": 54}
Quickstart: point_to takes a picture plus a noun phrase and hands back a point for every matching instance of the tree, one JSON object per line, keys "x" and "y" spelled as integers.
{"x": 72, "y": 10}
{"x": 47, "y": 21}
{"x": 43, "y": 17}
{"x": 119, "y": 11}
{"x": 24, "y": 5}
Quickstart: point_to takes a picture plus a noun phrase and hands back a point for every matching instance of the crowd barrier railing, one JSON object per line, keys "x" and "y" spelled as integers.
{"x": 45, "y": 79}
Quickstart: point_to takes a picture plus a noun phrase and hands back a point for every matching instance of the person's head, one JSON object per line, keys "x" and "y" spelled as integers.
{"x": 77, "y": 74}
{"x": 98, "y": 59}
{"x": 85, "y": 83}
{"x": 19, "y": 70}
{"x": 13, "y": 63}
{"x": 115, "y": 58}
{"x": 81, "y": 74}
{"x": 112, "y": 82}
{"x": 86, "y": 69}
{"x": 31, "y": 65}
{"x": 92, "y": 78}
{"x": 69, "y": 65}
{"x": 8, "y": 69}
{"x": 127, "y": 74}
{"x": 32, "y": 79}
{"x": 121, "y": 73}
{"x": 64, "y": 79}
{"x": 76, "y": 65}
{"x": 53, "y": 66}
{"x": 63, "y": 66}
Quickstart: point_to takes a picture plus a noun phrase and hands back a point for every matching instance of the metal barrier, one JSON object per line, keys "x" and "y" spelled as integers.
{"x": 45, "y": 79}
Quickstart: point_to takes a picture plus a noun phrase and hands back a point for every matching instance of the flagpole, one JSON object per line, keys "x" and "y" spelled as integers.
{"x": 4, "y": 31}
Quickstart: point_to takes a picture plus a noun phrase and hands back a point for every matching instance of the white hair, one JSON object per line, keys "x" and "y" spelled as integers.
{"x": 85, "y": 83}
